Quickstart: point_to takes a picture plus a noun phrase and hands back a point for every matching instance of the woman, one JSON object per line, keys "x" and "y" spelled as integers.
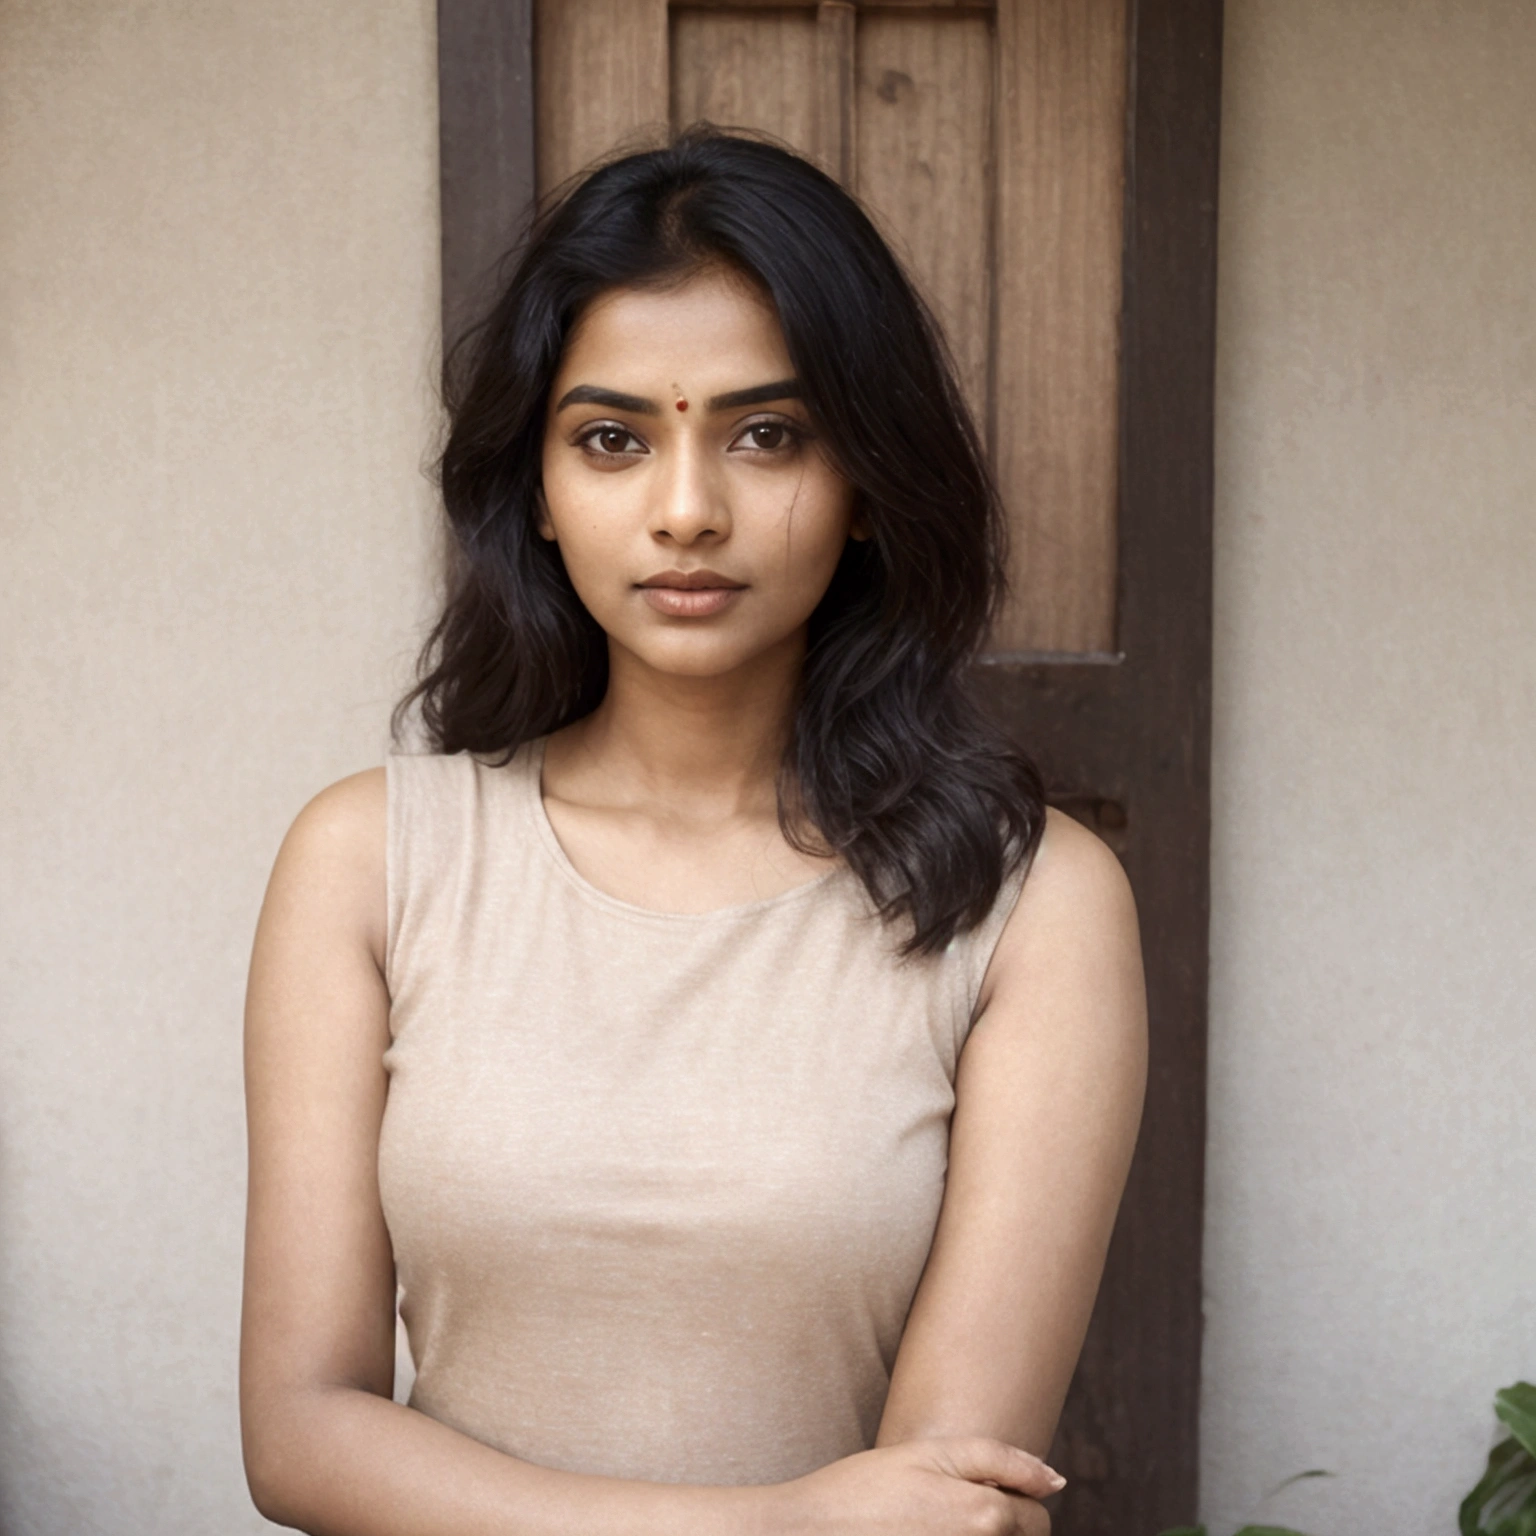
{"x": 625, "y": 1028}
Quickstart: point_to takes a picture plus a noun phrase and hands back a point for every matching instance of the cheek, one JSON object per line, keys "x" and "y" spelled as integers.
{"x": 571, "y": 511}
{"x": 816, "y": 532}
{"x": 586, "y": 551}
{"x": 554, "y": 491}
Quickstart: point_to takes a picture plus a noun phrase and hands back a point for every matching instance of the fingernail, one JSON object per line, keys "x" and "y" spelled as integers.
{"x": 1058, "y": 1482}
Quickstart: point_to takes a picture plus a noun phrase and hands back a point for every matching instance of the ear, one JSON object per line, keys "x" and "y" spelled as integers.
{"x": 543, "y": 523}
{"x": 859, "y": 530}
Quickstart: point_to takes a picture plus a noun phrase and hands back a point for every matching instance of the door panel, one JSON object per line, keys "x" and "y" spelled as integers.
{"x": 755, "y": 69}
{"x": 924, "y": 169}
{"x": 1061, "y": 188}
{"x": 987, "y": 141}
{"x": 602, "y": 73}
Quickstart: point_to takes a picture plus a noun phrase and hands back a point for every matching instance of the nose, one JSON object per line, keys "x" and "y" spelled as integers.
{"x": 691, "y": 505}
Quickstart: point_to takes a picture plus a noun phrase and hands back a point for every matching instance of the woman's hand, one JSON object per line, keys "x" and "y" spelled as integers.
{"x": 927, "y": 1488}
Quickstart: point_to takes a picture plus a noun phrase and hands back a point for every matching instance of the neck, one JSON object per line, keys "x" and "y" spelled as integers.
{"x": 714, "y": 742}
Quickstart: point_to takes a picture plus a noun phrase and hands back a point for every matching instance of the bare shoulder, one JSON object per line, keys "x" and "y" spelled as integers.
{"x": 316, "y": 1002}
{"x": 1073, "y": 869}
{"x": 346, "y": 819}
{"x": 331, "y": 866}
{"x": 1075, "y": 918}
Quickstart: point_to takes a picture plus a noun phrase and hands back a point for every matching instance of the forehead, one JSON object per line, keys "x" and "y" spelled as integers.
{"x": 713, "y": 321}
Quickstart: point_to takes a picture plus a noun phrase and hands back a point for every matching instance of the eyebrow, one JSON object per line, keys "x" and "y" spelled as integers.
{"x": 759, "y": 394}
{"x": 616, "y": 400}
{"x": 594, "y": 394}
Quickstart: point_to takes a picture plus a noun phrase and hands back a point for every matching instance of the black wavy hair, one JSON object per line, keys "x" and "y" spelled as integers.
{"x": 889, "y": 759}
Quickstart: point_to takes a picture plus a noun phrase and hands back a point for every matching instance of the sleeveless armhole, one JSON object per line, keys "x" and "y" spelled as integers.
{"x": 981, "y": 942}
{"x": 396, "y": 770}
{"x": 424, "y": 801}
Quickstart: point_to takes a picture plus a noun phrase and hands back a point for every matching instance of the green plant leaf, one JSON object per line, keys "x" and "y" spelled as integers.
{"x": 1298, "y": 1477}
{"x": 1512, "y": 1509}
{"x": 1184, "y": 1530}
{"x": 1516, "y": 1407}
{"x": 1504, "y": 1501}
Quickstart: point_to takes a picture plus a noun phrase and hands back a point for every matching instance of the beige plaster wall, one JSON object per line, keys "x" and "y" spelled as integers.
{"x": 1371, "y": 1226}
{"x": 218, "y": 283}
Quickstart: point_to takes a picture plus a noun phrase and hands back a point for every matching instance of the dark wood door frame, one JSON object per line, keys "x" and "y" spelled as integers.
{"x": 1125, "y": 742}
{"x": 485, "y": 144}
{"x": 1127, "y": 745}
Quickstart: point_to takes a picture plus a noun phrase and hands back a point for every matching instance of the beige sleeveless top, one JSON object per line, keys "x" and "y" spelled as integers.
{"x": 660, "y": 1186}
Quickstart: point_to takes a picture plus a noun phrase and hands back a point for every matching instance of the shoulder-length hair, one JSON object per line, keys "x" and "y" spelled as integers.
{"x": 889, "y": 759}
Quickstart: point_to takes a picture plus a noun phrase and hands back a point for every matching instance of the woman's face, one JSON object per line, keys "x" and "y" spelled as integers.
{"x": 696, "y": 514}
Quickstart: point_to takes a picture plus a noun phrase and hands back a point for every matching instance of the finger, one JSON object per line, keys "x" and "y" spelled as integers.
{"x": 1030, "y": 1518}
{"x": 1003, "y": 1466}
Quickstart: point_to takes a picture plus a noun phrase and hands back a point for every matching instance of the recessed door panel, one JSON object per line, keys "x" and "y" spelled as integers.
{"x": 987, "y": 141}
{"x": 601, "y": 68}
{"x": 1056, "y": 405}
{"x": 751, "y": 69}
{"x": 924, "y": 167}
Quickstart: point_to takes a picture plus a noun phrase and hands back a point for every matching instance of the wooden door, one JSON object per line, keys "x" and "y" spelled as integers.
{"x": 1046, "y": 168}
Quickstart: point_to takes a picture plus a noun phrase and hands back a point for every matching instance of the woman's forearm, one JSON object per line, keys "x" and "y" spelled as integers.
{"x": 346, "y": 1462}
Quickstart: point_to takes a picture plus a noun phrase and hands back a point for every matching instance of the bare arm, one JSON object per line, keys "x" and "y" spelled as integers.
{"x": 1048, "y": 1102}
{"x": 326, "y": 1449}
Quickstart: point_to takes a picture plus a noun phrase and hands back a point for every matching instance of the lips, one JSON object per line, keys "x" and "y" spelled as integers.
{"x": 692, "y": 581}
{"x": 690, "y": 594}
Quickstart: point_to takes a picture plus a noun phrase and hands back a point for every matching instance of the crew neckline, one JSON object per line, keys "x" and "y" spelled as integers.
{"x": 532, "y": 775}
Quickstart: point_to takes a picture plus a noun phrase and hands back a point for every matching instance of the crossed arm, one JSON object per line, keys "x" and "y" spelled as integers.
{"x": 1048, "y": 1097}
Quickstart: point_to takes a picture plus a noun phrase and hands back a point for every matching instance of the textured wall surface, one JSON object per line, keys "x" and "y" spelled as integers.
{"x": 218, "y": 271}
{"x": 1371, "y": 1225}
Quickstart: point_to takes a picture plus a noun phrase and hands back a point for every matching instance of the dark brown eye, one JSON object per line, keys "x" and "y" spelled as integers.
{"x": 767, "y": 435}
{"x": 612, "y": 439}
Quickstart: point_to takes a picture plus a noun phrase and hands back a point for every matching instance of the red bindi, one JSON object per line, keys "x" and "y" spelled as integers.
{"x": 682, "y": 405}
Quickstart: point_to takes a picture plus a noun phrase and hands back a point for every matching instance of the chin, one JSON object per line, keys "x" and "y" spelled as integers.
{"x": 696, "y": 654}
{"x": 696, "y": 661}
